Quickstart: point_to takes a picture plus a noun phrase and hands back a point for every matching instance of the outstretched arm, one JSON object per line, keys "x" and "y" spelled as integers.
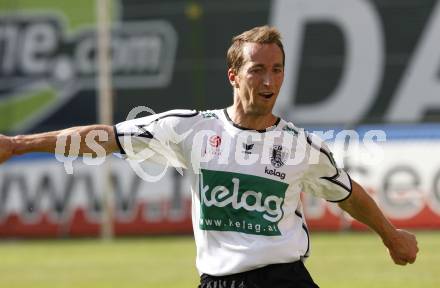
{"x": 401, "y": 244}
{"x": 85, "y": 137}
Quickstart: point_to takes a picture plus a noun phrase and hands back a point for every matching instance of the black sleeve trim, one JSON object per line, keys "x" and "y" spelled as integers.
{"x": 343, "y": 186}
{"x": 297, "y": 213}
{"x": 308, "y": 241}
{"x": 333, "y": 178}
{"x": 169, "y": 115}
{"x": 326, "y": 153}
{"x": 145, "y": 133}
{"x": 117, "y": 140}
{"x": 333, "y": 162}
{"x": 178, "y": 115}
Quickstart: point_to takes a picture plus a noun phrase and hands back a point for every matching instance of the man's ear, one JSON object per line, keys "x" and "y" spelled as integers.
{"x": 233, "y": 77}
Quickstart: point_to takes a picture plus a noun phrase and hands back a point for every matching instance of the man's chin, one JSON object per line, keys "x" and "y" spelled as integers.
{"x": 258, "y": 111}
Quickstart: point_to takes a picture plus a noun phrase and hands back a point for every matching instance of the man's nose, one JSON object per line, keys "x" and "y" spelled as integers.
{"x": 267, "y": 79}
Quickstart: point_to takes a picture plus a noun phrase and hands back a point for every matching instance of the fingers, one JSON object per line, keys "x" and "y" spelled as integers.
{"x": 404, "y": 248}
{"x": 398, "y": 261}
{"x": 401, "y": 262}
{"x": 403, "y": 259}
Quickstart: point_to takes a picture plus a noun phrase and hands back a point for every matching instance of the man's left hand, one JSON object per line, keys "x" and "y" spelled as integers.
{"x": 402, "y": 246}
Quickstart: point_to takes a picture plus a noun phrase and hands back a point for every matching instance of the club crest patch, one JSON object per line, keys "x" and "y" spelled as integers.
{"x": 278, "y": 156}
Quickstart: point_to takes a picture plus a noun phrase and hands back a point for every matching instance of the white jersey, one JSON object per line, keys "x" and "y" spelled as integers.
{"x": 246, "y": 184}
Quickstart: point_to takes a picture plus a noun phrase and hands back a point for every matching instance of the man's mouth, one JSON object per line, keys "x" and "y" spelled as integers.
{"x": 266, "y": 95}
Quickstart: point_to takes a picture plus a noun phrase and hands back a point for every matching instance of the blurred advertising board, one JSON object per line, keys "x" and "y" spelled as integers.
{"x": 38, "y": 198}
{"x": 402, "y": 176}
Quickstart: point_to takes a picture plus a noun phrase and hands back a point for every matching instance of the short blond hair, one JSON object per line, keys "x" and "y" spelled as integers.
{"x": 261, "y": 35}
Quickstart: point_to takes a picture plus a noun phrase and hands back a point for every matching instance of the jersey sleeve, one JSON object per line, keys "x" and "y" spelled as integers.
{"x": 323, "y": 178}
{"x": 158, "y": 138}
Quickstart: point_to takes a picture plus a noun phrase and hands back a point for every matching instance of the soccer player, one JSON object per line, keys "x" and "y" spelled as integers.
{"x": 247, "y": 170}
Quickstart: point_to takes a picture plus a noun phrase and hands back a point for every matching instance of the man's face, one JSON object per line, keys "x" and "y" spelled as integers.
{"x": 259, "y": 79}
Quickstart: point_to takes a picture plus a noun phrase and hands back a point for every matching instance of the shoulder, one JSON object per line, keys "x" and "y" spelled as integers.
{"x": 175, "y": 117}
{"x": 178, "y": 113}
{"x": 185, "y": 120}
{"x": 211, "y": 114}
{"x": 184, "y": 113}
{"x": 309, "y": 138}
{"x": 163, "y": 119}
{"x": 289, "y": 127}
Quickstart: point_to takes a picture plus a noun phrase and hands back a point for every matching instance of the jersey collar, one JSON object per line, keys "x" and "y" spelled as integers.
{"x": 244, "y": 128}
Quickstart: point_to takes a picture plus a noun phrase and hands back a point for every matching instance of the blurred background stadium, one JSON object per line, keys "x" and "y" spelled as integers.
{"x": 352, "y": 67}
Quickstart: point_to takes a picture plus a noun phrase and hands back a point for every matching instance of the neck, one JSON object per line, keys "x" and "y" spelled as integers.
{"x": 250, "y": 121}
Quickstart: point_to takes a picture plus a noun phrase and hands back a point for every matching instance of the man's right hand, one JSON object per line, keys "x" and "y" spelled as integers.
{"x": 6, "y": 148}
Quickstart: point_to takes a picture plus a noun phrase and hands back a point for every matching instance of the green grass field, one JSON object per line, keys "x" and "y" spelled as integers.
{"x": 338, "y": 260}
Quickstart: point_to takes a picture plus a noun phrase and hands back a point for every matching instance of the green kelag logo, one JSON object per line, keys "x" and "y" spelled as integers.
{"x": 49, "y": 53}
{"x": 241, "y": 203}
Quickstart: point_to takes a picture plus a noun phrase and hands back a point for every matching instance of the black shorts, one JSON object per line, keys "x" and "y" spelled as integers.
{"x": 286, "y": 275}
